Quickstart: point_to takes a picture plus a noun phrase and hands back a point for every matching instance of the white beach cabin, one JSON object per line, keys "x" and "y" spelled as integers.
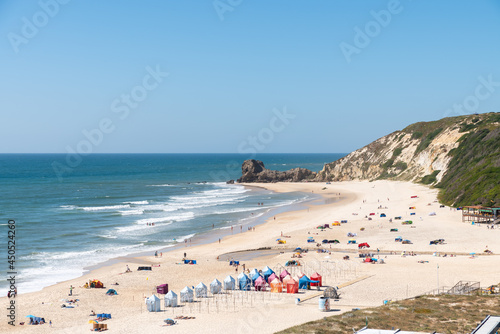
{"x": 201, "y": 290}
{"x": 187, "y": 295}
{"x": 153, "y": 304}
{"x": 215, "y": 286}
{"x": 229, "y": 283}
{"x": 170, "y": 299}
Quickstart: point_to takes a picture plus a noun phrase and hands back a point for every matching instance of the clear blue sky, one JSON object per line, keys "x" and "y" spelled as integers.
{"x": 226, "y": 76}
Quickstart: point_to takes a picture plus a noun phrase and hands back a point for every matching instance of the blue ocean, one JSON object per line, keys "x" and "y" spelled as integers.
{"x": 111, "y": 205}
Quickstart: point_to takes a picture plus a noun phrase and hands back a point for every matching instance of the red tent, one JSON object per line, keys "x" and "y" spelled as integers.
{"x": 368, "y": 259}
{"x": 292, "y": 286}
{"x": 316, "y": 277}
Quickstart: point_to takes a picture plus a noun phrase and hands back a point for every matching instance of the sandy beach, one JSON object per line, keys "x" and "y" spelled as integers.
{"x": 244, "y": 312}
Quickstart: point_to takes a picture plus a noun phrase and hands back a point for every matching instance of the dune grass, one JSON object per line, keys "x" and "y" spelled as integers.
{"x": 443, "y": 314}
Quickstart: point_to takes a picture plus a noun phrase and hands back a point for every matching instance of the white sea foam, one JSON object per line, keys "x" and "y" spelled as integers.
{"x": 132, "y": 212}
{"x": 142, "y": 224}
{"x": 185, "y": 237}
{"x": 137, "y": 202}
{"x": 104, "y": 208}
{"x": 161, "y": 185}
{"x": 67, "y": 207}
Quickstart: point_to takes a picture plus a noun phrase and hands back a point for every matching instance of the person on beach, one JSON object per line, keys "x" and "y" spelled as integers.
{"x": 128, "y": 269}
{"x": 156, "y": 254}
{"x": 71, "y": 290}
{"x": 219, "y": 240}
{"x": 50, "y": 323}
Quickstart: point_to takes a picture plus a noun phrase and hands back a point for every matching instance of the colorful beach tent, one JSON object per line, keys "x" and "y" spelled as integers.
{"x": 187, "y": 295}
{"x": 260, "y": 284}
{"x": 215, "y": 286}
{"x": 201, "y": 290}
{"x": 229, "y": 283}
{"x": 266, "y": 272}
{"x": 284, "y": 274}
{"x": 111, "y": 292}
{"x": 317, "y": 277}
{"x": 305, "y": 282}
{"x": 286, "y": 279}
{"x": 96, "y": 284}
{"x": 244, "y": 282}
{"x": 271, "y": 278}
{"x": 292, "y": 286}
{"x": 276, "y": 285}
{"x": 253, "y": 272}
{"x": 153, "y": 304}
{"x": 170, "y": 299}
{"x": 254, "y": 276}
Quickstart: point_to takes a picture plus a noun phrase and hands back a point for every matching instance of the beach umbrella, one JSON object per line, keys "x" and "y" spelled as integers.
{"x": 30, "y": 316}
{"x": 93, "y": 322}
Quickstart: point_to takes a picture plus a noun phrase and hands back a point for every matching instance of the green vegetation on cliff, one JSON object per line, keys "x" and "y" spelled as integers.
{"x": 473, "y": 174}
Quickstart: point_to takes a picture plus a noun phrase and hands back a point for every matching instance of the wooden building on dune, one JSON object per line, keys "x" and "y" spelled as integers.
{"x": 480, "y": 214}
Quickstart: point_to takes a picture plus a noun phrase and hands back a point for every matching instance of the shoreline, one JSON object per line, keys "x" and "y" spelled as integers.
{"x": 205, "y": 238}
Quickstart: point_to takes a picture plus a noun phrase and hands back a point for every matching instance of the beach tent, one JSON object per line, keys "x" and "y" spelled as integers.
{"x": 254, "y": 274}
{"x": 286, "y": 279}
{"x": 96, "y": 284}
{"x": 266, "y": 272}
{"x": 276, "y": 285}
{"x": 229, "y": 283}
{"x": 187, "y": 295}
{"x": 292, "y": 286}
{"x": 284, "y": 274}
{"x": 305, "y": 282}
{"x": 260, "y": 284}
{"x": 111, "y": 292}
{"x": 170, "y": 299}
{"x": 272, "y": 277}
{"x": 153, "y": 304}
{"x": 162, "y": 289}
{"x": 244, "y": 282}
{"x": 215, "y": 286}
{"x": 201, "y": 290}
{"x": 317, "y": 277}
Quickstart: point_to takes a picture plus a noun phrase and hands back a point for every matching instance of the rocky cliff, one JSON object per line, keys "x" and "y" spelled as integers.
{"x": 254, "y": 171}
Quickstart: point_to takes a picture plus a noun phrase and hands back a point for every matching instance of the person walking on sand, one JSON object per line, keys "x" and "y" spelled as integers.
{"x": 50, "y": 323}
{"x": 71, "y": 290}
